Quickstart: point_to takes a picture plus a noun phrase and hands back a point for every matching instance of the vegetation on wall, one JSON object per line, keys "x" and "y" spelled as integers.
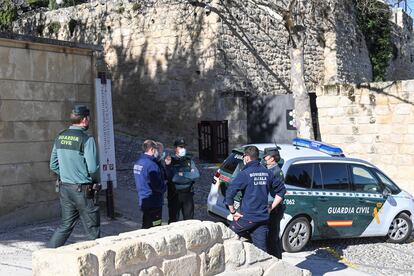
{"x": 8, "y": 13}
{"x": 373, "y": 20}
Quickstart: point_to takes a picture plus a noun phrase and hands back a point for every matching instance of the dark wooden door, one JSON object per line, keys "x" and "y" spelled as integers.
{"x": 213, "y": 140}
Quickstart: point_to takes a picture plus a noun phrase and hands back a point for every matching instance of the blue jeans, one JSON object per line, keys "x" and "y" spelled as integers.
{"x": 257, "y": 231}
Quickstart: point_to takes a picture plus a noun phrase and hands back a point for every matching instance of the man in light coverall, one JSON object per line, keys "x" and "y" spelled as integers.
{"x": 74, "y": 160}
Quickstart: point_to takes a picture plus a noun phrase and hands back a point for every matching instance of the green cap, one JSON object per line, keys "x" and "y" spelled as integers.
{"x": 81, "y": 110}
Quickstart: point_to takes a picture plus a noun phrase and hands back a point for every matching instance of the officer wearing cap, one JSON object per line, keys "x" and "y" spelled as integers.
{"x": 183, "y": 173}
{"x": 74, "y": 160}
{"x": 277, "y": 193}
{"x": 254, "y": 181}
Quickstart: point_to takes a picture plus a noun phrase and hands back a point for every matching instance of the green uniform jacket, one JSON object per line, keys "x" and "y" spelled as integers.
{"x": 74, "y": 157}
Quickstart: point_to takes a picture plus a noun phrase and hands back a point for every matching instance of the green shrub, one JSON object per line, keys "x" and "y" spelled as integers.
{"x": 52, "y": 5}
{"x": 373, "y": 21}
{"x": 38, "y": 3}
{"x": 8, "y": 13}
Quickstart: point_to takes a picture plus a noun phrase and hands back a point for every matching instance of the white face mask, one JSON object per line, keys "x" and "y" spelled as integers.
{"x": 182, "y": 152}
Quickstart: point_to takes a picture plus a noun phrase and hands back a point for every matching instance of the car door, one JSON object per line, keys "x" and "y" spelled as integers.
{"x": 369, "y": 199}
{"x": 335, "y": 201}
{"x": 298, "y": 199}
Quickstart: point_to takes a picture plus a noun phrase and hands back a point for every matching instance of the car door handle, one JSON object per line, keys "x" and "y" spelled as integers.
{"x": 322, "y": 198}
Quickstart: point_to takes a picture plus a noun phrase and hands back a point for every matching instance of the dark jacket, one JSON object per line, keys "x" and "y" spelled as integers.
{"x": 278, "y": 184}
{"x": 187, "y": 168}
{"x": 254, "y": 182}
{"x": 149, "y": 182}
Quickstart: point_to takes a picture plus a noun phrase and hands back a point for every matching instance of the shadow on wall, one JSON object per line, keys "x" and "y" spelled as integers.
{"x": 168, "y": 66}
{"x": 383, "y": 91}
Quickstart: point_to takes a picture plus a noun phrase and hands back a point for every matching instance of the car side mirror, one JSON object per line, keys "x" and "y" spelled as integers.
{"x": 386, "y": 192}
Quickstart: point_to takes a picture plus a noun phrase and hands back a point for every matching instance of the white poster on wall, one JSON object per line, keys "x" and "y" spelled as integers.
{"x": 105, "y": 127}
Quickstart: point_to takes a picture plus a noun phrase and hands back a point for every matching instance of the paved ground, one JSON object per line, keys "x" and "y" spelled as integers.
{"x": 335, "y": 257}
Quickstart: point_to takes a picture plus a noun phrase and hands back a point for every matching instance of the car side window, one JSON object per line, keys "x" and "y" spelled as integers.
{"x": 299, "y": 175}
{"x": 363, "y": 180}
{"x": 304, "y": 176}
{"x": 335, "y": 176}
{"x": 317, "y": 182}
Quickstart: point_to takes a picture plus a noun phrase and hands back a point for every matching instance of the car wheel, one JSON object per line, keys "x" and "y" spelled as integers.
{"x": 296, "y": 235}
{"x": 400, "y": 229}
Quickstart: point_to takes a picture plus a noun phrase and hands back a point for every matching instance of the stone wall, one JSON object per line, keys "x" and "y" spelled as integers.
{"x": 401, "y": 65}
{"x": 351, "y": 53}
{"x": 373, "y": 121}
{"x": 174, "y": 65}
{"x": 183, "y": 248}
{"x": 38, "y": 85}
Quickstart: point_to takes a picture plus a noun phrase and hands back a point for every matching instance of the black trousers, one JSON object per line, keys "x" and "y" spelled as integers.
{"x": 274, "y": 244}
{"x": 151, "y": 217}
{"x": 75, "y": 204}
{"x": 181, "y": 201}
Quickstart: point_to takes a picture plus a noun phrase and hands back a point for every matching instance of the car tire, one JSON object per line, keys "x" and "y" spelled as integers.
{"x": 296, "y": 235}
{"x": 400, "y": 229}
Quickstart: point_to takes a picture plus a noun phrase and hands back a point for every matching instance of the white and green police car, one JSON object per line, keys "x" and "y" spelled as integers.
{"x": 328, "y": 196}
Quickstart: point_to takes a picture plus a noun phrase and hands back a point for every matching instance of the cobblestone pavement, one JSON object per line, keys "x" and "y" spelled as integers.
{"x": 369, "y": 255}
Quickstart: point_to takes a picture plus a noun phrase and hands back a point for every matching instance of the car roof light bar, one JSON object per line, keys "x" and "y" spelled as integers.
{"x": 319, "y": 146}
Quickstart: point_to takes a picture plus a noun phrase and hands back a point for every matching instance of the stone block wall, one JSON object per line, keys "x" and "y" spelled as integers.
{"x": 372, "y": 121}
{"x": 401, "y": 66}
{"x": 163, "y": 60}
{"x": 174, "y": 64}
{"x": 183, "y": 248}
{"x": 38, "y": 85}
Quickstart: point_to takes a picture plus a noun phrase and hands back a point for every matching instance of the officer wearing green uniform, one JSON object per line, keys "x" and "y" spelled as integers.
{"x": 74, "y": 160}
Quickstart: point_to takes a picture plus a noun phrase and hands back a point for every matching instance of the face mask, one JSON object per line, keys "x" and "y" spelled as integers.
{"x": 156, "y": 154}
{"x": 182, "y": 152}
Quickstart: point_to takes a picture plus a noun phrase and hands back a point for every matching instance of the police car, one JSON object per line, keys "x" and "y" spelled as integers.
{"x": 328, "y": 196}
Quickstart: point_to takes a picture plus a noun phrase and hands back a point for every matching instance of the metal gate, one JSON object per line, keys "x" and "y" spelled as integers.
{"x": 213, "y": 140}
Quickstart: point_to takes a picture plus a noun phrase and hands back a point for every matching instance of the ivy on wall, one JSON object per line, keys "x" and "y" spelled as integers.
{"x": 8, "y": 13}
{"x": 373, "y": 19}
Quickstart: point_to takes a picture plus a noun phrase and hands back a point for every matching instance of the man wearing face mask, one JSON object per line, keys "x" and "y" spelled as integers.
{"x": 277, "y": 193}
{"x": 183, "y": 174}
{"x": 74, "y": 160}
{"x": 150, "y": 185}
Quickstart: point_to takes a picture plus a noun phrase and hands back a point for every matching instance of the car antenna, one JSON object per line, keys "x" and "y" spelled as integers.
{"x": 274, "y": 142}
